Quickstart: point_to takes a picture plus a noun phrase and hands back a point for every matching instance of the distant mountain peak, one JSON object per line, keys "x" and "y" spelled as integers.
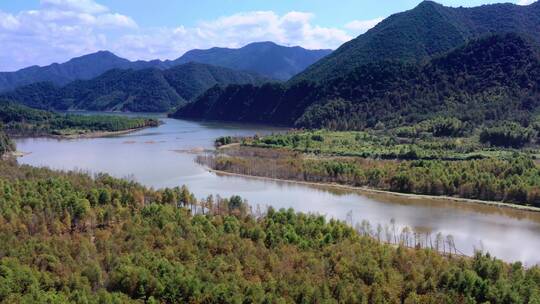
{"x": 276, "y": 45}
{"x": 266, "y": 58}
{"x": 102, "y": 54}
{"x": 259, "y": 43}
{"x": 429, "y": 3}
{"x": 427, "y": 8}
{"x": 148, "y": 89}
{"x": 79, "y": 68}
{"x": 394, "y": 92}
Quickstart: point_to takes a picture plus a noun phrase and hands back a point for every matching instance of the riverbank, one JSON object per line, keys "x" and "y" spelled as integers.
{"x": 367, "y": 190}
{"x": 98, "y": 134}
{"x": 90, "y": 134}
{"x": 158, "y": 166}
{"x": 20, "y": 121}
{"x": 228, "y": 146}
{"x": 512, "y": 180}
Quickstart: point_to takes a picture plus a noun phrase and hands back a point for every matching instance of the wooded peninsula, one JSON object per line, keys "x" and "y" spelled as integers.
{"x": 19, "y": 120}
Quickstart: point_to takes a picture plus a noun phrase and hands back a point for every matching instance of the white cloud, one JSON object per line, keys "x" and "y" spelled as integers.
{"x": 8, "y": 22}
{"x": 526, "y": 2}
{"x": 57, "y": 31}
{"x": 86, "y": 6}
{"x": 293, "y": 28}
{"x": 115, "y": 20}
{"x": 61, "y": 29}
{"x": 362, "y": 26}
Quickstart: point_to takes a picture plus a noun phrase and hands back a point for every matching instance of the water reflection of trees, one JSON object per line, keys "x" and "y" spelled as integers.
{"x": 282, "y": 165}
{"x": 419, "y": 238}
{"x": 390, "y": 233}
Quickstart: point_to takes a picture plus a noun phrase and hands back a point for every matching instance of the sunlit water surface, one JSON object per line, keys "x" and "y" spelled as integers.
{"x": 157, "y": 157}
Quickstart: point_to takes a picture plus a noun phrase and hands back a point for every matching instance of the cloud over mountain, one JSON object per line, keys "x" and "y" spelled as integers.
{"x": 56, "y": 31}
{"x": 61, "y": 29}
{"x": 293, "y": 28}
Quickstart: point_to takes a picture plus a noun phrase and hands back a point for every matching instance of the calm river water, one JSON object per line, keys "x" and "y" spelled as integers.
{"x": 157, "y": 157}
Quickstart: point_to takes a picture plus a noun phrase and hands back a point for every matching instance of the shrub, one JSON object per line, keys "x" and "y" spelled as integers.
{"x": 446, "y": 126}
{"x": 509, "y": 134}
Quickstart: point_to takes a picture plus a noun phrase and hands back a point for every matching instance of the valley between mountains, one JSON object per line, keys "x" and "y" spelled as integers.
{"x": 401, "y": 167}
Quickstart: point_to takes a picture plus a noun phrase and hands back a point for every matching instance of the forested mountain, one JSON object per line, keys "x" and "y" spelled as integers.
{"x": 146, "y": 90}
{"x": 427, "y": 30}
{"x": 191, "y": 79}
{"x": 493, "y": 78}
{"x": 84, "y": 67}
{"x": 265, "y": 58}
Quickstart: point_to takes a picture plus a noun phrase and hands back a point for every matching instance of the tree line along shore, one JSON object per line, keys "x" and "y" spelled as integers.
{"x": 452, "y": 166}
{"x": 21, "y": 121}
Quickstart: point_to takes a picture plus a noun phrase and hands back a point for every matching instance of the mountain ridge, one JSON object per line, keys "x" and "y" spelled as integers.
{"x": 399, "y": 45}
{"x": 394, "y": 92}
{"x": 92, "y": 65}
{"x": 261, "y": 57}
{"x": 144, "y": 90}
{"x": 82, "y": 67}
{"x": 427, "y": 30}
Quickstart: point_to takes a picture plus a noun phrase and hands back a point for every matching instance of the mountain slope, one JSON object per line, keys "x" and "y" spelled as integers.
{"x": 84, "y": 67}
{"x": 192, "y": 79}
{"x": 146, "y": 90}
{"x": 427, "y": 30}
{"x": 265, "y": 58}
{"x": 493, "y": 78}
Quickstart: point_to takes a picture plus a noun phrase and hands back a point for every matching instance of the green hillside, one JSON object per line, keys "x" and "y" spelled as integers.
{"x": 146, "y": 90}
{"x": 80, "y": 68}
{"x": 397, "y": 71}
{"x": 429, "y": 29}
{"x": 191, "y": 79}
{"x": 491, "y": 79}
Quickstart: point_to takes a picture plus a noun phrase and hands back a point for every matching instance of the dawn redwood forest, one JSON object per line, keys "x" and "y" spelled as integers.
{"x": 254, "y": 156}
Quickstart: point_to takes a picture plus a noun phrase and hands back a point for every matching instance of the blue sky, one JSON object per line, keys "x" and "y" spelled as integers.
{"x": 189, "y": 12}
{"x": 45, "y": 31}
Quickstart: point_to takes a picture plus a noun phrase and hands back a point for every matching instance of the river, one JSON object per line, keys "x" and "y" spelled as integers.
{"x": 160, "y": 157}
